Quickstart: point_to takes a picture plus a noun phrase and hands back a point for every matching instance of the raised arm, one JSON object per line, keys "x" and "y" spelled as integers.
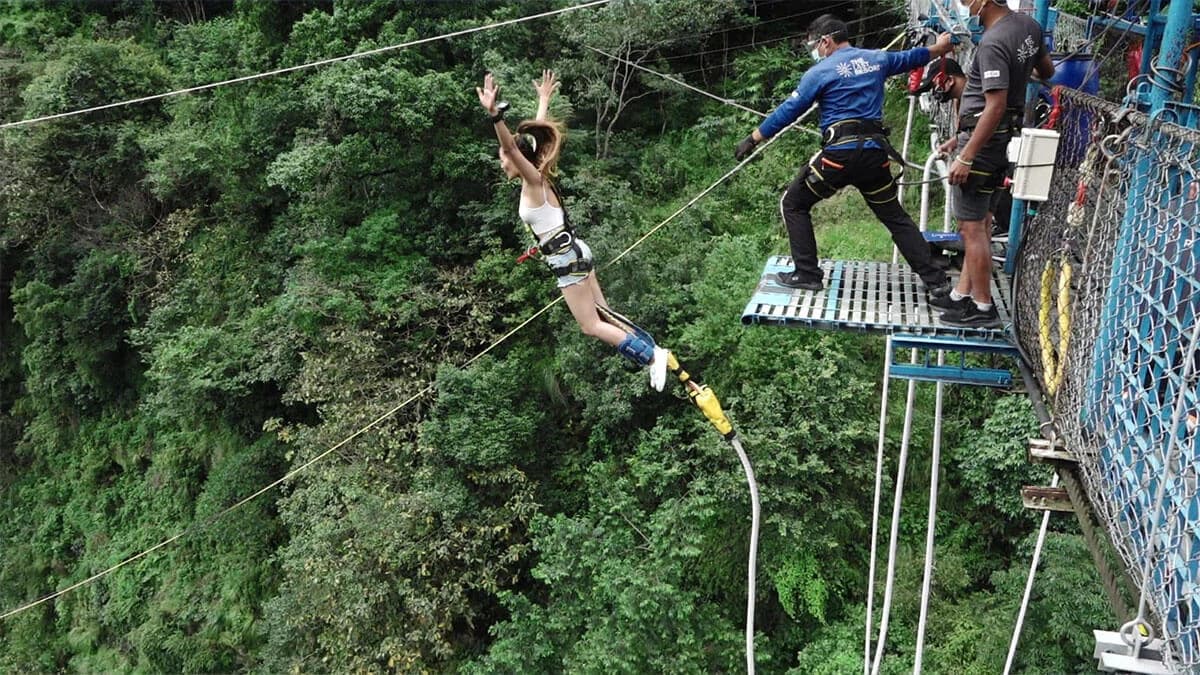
{"x": 545, "y": 90}
{"x": 902, "y": 62}
{"x": 787, "y": 112}
{"x": 487, "y": 98}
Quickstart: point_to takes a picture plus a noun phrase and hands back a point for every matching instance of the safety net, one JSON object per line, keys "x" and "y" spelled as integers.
{"x": 1106, "y": 296}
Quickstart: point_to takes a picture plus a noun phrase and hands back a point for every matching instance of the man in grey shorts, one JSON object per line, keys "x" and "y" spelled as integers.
{"x": 992, "y": 106}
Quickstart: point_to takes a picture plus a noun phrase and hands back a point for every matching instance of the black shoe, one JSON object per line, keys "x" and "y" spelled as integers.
{"x": 971, "y": 316}
{"x": 944, "y": 303}
{"x": 941, "y": 289}
{"x": 795, "y": 280}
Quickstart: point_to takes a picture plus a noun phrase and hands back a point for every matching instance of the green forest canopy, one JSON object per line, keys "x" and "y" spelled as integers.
{"x": 200, "y": 293}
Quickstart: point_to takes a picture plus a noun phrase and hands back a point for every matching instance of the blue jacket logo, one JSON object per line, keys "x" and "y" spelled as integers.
{"x": 855, "y": 67}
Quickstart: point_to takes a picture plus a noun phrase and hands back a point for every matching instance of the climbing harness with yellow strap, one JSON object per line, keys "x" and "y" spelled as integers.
{"x": 859, "y": 132}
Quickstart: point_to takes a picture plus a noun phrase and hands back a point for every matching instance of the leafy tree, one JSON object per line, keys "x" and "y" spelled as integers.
{"x": 633, "y": 32}
{"x": 202, "y": 293}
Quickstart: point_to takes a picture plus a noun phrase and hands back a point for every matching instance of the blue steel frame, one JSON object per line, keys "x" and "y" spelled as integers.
{"x": 960, "y": 373}
{"x": 1016, "y": 221}
{"x": 1141, "y": 355}
{"x": 1139, "y": 351}
{"x": 1152, "y": 33}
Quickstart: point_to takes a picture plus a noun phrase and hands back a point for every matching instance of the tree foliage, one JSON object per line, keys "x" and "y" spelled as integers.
{"x": 201, "y": 294}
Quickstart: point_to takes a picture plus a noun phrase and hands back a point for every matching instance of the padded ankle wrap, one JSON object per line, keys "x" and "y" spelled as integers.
{"x": 637, "y": 350}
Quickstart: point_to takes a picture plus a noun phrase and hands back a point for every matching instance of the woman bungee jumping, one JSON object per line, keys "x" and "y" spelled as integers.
{"x": 532, "y": 155}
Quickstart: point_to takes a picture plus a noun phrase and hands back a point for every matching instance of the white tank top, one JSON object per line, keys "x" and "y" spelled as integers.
{"x": 542, "y": 220}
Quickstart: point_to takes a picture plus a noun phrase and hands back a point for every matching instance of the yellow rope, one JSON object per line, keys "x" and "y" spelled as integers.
{"x": 1054, "y": 357}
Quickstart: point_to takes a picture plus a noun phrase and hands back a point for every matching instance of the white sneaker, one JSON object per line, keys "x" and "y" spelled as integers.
{"x": 658, "y": 369}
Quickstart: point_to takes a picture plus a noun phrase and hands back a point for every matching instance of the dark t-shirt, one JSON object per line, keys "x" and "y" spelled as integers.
{"x": 1004, "y": 59}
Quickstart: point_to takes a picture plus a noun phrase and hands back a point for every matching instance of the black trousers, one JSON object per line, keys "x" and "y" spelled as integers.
{"x": 869, "y": 170}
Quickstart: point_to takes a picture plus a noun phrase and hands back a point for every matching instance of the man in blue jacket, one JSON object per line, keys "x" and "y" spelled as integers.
{"x": 848, "y": 84}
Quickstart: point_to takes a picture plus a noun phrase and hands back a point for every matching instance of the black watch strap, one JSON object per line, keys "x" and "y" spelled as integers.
{"x": 501, "y": 108}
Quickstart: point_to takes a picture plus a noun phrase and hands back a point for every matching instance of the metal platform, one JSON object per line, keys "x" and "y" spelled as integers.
{"x": 864, "y": 296}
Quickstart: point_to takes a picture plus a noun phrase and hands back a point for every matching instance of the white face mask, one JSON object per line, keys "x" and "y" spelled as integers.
{"x": 816, "y": 50}
{"x": 965, "y": 15}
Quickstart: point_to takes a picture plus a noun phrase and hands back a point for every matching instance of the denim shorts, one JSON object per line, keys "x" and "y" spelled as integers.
{"x": 566, "y": 258}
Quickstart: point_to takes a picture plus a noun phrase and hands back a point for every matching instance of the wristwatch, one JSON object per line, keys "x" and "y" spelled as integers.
{"x": 501, "y": 107}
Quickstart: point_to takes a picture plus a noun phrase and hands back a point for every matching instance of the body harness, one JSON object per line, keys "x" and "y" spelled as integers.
{"x": 1011, "y": 123}
{"x": 558, "y": 242}
{"x": 843, "y": 132}
{"x": 861, "y": 131}
{"x": 987, "y": 182}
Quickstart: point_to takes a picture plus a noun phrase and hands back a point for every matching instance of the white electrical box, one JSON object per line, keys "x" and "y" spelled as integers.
{"x": 1013, "y": 151}
{"x": 1035, "y": 165}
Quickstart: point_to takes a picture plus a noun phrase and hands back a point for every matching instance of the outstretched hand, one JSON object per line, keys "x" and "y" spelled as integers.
{"x": 488, "y": 93}
{"x": 744, "y": 148}
{"x": 942, "y": 46}
{"x": 545, "y": 89}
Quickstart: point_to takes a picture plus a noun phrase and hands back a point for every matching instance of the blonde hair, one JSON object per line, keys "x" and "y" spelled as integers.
{"x": 540, "y": 142}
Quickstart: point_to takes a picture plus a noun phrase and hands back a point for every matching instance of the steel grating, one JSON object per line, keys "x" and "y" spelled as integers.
{"x": 863, "y": 296}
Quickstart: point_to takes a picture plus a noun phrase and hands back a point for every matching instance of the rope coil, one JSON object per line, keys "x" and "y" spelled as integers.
{"x": 1054, "y": 355}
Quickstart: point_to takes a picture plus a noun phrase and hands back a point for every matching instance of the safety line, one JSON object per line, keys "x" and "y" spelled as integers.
{"x": 748, "y": 27}
{"x": 759, "y": 24}
{"x": 935, "y": 460}
{"x": 752, "y": 558}
{"x": 880, "y": 446}
{"x": 1033, "y": 566}
{"x": 762, "y": 146}
{"x": 859, "y": 36}
{"x": 290, "y": 69}
{"x": 290, "y": 474}
{"x": 726, "y": 101}
{"x": 894, "y": 536}
{"x": 876, "y": 15}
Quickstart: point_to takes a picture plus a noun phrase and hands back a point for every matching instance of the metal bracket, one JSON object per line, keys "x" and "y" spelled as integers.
{"x": 1112, "y": 655}
{"x": 1046, "y": 499}
{"x": 1041, "y": 451}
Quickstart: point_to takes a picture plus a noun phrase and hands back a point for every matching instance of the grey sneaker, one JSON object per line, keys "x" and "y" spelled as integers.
{"x": 971, "y": 316}
{"x": 795, "y": 280}
{"x": 945, "y": 304}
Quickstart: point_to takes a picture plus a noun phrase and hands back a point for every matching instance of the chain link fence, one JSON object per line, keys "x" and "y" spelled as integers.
{"x": 1107, "y": 292}
{"x": 1071, "y": 34}
{"x": 1106, "y": 296}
